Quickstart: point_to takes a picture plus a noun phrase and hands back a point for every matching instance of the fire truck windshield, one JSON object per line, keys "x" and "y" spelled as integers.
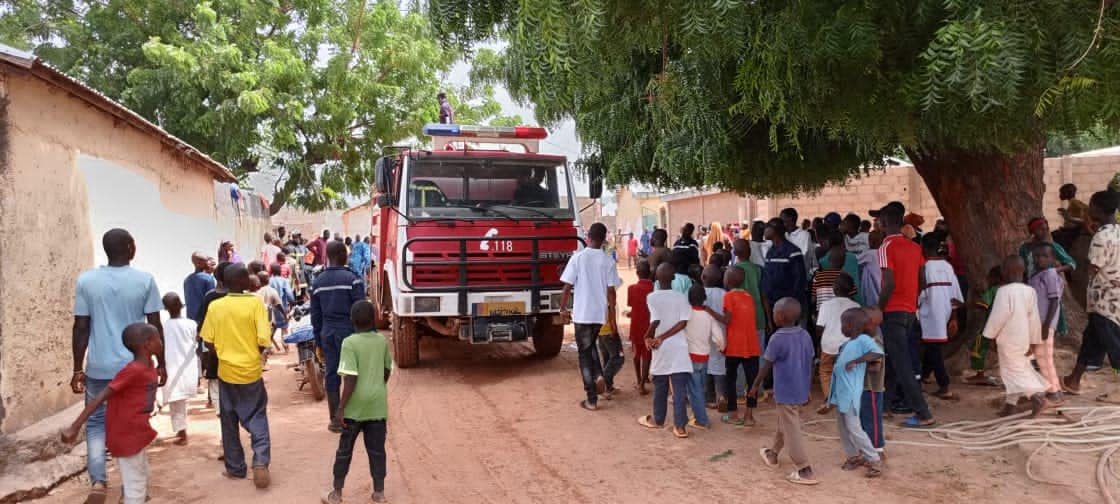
{"x": 515, "y": 189}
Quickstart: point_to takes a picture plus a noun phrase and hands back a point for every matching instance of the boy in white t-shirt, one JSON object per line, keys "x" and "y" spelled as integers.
{"x": 703, "y": 334}
{"x": 669, "y": 312}
{"x": 830, "y": 331}
{"x": 593, "y": 276}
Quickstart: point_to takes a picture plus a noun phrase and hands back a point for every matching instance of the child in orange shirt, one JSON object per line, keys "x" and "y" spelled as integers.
{"x": 742, "y": 343}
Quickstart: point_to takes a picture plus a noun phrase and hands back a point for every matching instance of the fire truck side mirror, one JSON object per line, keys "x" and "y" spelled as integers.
{"x": 595, "y": 181}
{"x": 383, "y": 174}
{"x": 384, "y": 200}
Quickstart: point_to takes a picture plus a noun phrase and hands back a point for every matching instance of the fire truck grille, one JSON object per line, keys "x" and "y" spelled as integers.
{"x": 482, "y": 269}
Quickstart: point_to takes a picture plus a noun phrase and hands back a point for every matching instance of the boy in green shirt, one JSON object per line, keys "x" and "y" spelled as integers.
{"x": 364, "y": 365}
{"x": 752, "y": 280}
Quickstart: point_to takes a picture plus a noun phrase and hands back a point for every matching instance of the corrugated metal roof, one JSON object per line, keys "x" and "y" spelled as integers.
{"x": 38, "y": 68}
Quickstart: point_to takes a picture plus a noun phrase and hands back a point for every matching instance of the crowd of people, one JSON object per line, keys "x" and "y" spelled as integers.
{"x": 223, "y": 329}
{"x": 721, "y": 319}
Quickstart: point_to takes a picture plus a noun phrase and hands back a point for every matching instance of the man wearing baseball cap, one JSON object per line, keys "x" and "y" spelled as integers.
{"x": 900, "y": 260}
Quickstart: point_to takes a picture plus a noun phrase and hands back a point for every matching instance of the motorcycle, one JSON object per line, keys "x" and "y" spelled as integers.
{"x": 310, "y": 363}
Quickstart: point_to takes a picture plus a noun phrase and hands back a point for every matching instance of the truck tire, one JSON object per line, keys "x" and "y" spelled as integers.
{"x": 383, "y": 304}
{"x": 548, "y": 338}
{"x": 406, "y": 346}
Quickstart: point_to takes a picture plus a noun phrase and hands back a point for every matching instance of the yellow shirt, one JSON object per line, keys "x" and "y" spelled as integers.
{"x": 238, "y": 327}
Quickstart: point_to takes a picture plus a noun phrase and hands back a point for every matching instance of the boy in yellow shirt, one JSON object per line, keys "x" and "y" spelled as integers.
{"x": 238, "y": 330}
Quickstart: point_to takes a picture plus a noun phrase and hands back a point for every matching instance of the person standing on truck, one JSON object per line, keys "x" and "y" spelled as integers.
{"x": 446, "y": 113}
{"x": 333, "y": 293}
{"x": 594, "y": 277}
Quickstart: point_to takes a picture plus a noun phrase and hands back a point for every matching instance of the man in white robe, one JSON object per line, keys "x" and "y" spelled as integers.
{"x": 1014, "y": 325}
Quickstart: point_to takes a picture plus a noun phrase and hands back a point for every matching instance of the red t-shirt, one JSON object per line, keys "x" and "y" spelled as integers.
{"x": 632, "y": 247}
{"x": 127, "y": 430}
{"x": 639, "y": 310}
{"x": 742, "y": 333}
{"x": 904, "y": 258}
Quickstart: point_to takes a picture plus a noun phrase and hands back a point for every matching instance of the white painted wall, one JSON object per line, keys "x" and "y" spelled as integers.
{"x": 165, "y": 239}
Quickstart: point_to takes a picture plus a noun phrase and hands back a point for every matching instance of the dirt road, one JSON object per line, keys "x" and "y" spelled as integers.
{"x": 494, "y": 424}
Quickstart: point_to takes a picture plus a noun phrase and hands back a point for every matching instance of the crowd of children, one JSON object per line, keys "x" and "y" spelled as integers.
{"x": 233, "y": 312}
{"x": 699, "y": 331}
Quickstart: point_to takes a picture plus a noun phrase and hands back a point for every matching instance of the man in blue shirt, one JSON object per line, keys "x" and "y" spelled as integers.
{"x": 784, "y": 272}
{"x": 359, "y": 257}
{"x": 333, "y": 293}
{"x": 643, "y": 247}
{"x": 197, "y": 284}
{"x": 106, "y": 300}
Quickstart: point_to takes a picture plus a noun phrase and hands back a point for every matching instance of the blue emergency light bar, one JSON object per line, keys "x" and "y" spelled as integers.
{"x": 463, "y": 130}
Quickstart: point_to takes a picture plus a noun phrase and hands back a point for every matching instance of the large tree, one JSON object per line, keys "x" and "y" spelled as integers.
{"x": 312, "y": 89}
{"x": 776, "y": 97}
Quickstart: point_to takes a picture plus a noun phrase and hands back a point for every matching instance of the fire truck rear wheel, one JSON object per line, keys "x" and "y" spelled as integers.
{"x": 548, "y": 338}
{"x": 406, "y": 346}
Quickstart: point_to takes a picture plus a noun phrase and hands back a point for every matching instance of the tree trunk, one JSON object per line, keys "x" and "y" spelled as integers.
{"x": 987, "y": 198}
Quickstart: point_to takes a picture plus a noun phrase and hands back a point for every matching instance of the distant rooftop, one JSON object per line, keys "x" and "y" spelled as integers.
{"x": 27, "y": 61}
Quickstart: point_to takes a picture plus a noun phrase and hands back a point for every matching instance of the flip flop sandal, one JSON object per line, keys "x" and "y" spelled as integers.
{"x": 795, "y": 478}
{"x": 588, "y": 407}
{"x": 874, "y": 471}
{"x": 97, "y": 494}
{"x": 680, "y": 432}
{"x": 647, "y": 421}
{"x": 1108, "y": 398}
{"x": 766, "y": 459}
{"x": 748, "y": 423}
{"x": 916, "y": 423}
{"x": 697, "y": 425}
{"x": 853, "y": 463}
{"x": 1068, "y": 389}
{"x": 947, "y": 396}
{"x": 728, "y": 419}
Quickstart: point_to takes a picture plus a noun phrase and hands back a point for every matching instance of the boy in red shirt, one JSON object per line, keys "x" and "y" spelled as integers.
{"x": 639, "y": 323}
{"x": 742, "y": 344}
{"x": 133, "y": 393}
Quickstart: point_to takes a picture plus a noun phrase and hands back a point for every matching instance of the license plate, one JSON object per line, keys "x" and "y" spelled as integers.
{"x": 499, "y": 309}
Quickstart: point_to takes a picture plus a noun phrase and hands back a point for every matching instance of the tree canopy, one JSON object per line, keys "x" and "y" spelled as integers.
{"x": 773, "y": 97}
{"x": 311, "y": 88}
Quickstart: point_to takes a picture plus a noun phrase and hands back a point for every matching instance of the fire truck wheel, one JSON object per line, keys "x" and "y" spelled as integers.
{"x": 406, "y": 347}
{"x": 548, "y": 339}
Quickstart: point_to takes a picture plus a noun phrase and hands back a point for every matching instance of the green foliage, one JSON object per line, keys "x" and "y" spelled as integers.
{"x": 774, "y": 97}
{"x": 311, "y": 88}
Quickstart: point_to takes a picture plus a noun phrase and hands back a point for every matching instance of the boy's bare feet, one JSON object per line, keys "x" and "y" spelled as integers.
{"x": 181, "y": 438}
{"x": 332, "y": 497}
{"x": 261, "y": 478}
{"x": 378, "y": 497}
{"x": 1038, "y": 403}
{"x": 1006, "y": 410}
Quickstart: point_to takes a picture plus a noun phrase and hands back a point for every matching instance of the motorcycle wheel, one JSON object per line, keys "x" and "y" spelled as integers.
{"x": 313, "y": 376}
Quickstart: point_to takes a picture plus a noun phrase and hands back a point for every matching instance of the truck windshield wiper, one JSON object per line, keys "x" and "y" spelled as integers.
{"x": 527, "y": 209}
{"x": 494, "y": 211}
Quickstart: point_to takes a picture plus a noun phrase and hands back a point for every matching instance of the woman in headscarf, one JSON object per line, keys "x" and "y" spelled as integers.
{"x": 1040, "y": 233}
{"x": 715, "y": 234}
{"x": 227, "y": 253}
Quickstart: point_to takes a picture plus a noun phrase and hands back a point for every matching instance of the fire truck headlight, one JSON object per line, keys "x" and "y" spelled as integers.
{"x": 426, "y": 304}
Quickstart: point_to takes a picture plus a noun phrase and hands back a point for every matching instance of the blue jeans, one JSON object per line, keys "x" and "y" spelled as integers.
{"x": 95, "y": 432}
{"x": 610, "y": 350}
{"x": 331, "y": 343}
{"x": 661, "y": 398}
{"x": 245, "y": 406}
{"x": 871, "y": 417}
{"x": 696, "y": 392}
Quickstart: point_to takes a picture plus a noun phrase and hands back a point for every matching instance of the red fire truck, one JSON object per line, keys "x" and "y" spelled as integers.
{"x": 471, "y": 238}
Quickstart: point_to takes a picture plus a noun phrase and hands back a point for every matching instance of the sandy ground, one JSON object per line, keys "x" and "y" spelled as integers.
{"x": 494, "y": 424}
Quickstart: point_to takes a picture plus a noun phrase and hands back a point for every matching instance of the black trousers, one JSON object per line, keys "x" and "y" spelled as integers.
{"x": 896, "y": 340}
{"x": 1101, "y": 337}
{"x": 373, "y": 435}
{"x": 750, "y": 369}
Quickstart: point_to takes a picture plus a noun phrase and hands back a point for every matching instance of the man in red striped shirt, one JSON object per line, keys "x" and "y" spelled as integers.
{"x": 900, "y": 260}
